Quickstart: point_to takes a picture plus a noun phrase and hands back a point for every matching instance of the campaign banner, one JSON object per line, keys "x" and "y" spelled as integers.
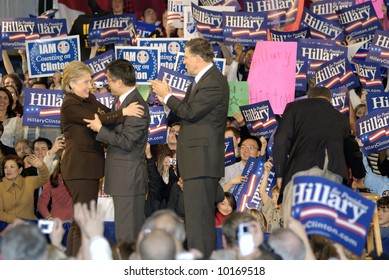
{"x": 328, "y": 8}
{"x": 322, "y": 28}
{"x": 98, "y": 63}
{"x": 112, "y": 29}
{"x": 301, "y": 74}
{"x": 279, "y": 12}
{"x": 15, "y": 32}
{"x": 377, "y": 100}
{"x": 373, "y": 131}
{"x": 340, "y": 100}
{"x": 158, "y": 126}
{"x": 244, "y": 28}
{"x": 217, "y": 51}
{"x": 208, "y": 23}
{"x": 247, "y": 194}
{"x": 168, "y": 49}
{"x": 48, "y": 14}
{"x": 144, "y": 30}
{"x": 259, "y": 118}
{"x": 178, "y": 82}
{"x": 179, "y": 66}
{"x": 51, "y": 28}
{"x": 175, "y": 12}
{"x": 377, "y": 4}
{"x": 315, "y": 52}
{"x": 360, "y": 49}
{"x": 42, "y": 107}
{"x": 369, "y": 75}
{"x": 45, "y": 56}
{"x": 291, "y": 36}
{"x": 332, "y": 210}
{"x": 336, "y": 73}
{"x": 359, "y": 20}
{"x": 379, "y": 50}
{"x": 144, "y": 60}
{"x": 239, "y": 96}
{"x": 190, "y": 30}
{"x": 105, "y": 98}
{"x": 229, "y": 156}
{"x": 231, "y": 3}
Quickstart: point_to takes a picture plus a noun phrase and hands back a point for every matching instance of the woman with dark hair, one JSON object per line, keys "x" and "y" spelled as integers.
{"x": 224, "y": 208}
{"x": 17, "y": 106}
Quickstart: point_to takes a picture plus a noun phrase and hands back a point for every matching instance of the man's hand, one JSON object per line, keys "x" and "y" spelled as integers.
{"x": 95, "y": 124}
{"x": 34, "y": 161}
{"x": 161, "y": 88}
{"x": 133, "y": 110}
{"x": 91, "y": 221}
{"x": 59, "y": 144}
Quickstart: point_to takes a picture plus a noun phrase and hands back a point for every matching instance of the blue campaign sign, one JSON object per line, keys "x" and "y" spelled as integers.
{"x": 373, "y": 131}
{"x": 229, "y": 157}
{"x": 145, "y": 29}
{"x": 330, "y": 209}
{"x": 46, "y": 56}
{"x": 301, "y": 74}
{"x": 179, "y": 65}
{"x": 50, "y": 28}
{"x": 168, "y": 49}
{"x": 233, "y": 3}
{"x": 377, "y": 100}
{"x": 15, "y": 31}
{"x": 291, "y": 36}
{"x": 260, "y": 119}
{"x": 98, "y": 63}
{"x": 158, "y": 126}
{"x": 42, "y": 107}
{"x": 340, "y": 100}
{"x": 369, "y": 75}
{"x": 379, "y": 49}
{"x": 105, "y": 98}
{"x": 208, "y": 23}
{"x": 178, "y": 82}
{"x": 145, "y": 61}
{"x": 328, "y": 8}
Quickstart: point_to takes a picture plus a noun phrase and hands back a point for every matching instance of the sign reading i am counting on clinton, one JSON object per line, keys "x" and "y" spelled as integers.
{"x": 281, "y": 36}
{"x": 15, "y": 31}
{"x": 369, "y": 75}
{"x": 112, "y": 29}
{"x": 373, "y": 131}
{"x": 168, "y": 49}
{"x": 280, "y": 13}
{"x": 179, "y": 66}
{"x": 244, "y": 28}
{"x": 340, "y": 100}
{"x": 158, "y": 126}
{"x": 42, "y": 107}
{"x": 336, "y": 73}
{"x": 379, "y": 49}
{"x": 178, "y": 82}
{"x": 377, "y": 100}
{"x": 46, "y": 56}
{"x": 145, "y": 61}
{"x": 229, "y": 156}
{"x": 328, "y": 8}
{"x": 332, "y": 210}
{"x": 247, "y": 194}
{"x": 50, "y": 28}
{"x": 98, "y": 63}
{"x": 208, "y": 23}
{"x": 260, "y": 119}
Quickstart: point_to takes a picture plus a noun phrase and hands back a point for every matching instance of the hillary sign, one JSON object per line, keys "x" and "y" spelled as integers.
{"x": 178, "y": 82}
{"x": 45, "y": 56}
{"x": 98, "y": 64}
{"x": 229, "y": 153}
{"x": 332, "y": 210}
{"x": 158, "y": 126}
{"x": 260, "y": 119}
{"x": 379, "y": 50}
{"x": 369, "y": 75}
{"x": 208, "y": 23}
{"x": 15, "y": 31}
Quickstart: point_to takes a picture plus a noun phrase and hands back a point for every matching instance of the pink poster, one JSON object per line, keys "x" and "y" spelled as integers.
{"x": 272, "y": 74}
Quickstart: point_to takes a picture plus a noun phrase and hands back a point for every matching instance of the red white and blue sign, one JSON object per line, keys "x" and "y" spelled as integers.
{"x": 208, "y": 23}
{"x": 98, "y": 64}
{"x": 178, "y": 82}
{"x": 158, "y": 126}
{"x": 229, "y": 157}
{"x": 379, "y": 49}
{"x": 340, "y": 100}
{"x": 15, "y": 32}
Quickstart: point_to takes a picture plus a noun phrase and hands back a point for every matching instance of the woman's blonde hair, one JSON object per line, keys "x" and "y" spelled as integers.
{"x": 73, "y": 72}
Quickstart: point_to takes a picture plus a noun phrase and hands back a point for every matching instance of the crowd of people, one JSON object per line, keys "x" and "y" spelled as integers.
{"x": 172, "y": 200}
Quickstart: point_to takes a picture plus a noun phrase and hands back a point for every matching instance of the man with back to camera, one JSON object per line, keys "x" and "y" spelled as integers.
{"x": 200, "y": 149}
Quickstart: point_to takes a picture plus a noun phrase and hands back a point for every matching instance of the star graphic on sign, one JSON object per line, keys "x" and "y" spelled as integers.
{"x": 234, "y": 101}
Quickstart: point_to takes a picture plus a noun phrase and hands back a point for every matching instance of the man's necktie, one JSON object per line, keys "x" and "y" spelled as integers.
{"x": 118, "y": 104}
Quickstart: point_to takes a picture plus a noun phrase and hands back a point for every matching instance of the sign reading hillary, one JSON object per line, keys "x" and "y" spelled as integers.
{"x": 158, "y": 126}
{"x": 168, "y": 49}
{"x": 301, "y": 74}
{"x": 145, "y": 61}
{"x": 279, "y": 12}
{"x": 179, "y": 66}
{"x": 178, "y": 82}
{"x": 379, "y": 50}
{"x": 247, "y": 194}
{"x": 98, "y": 63}
{"x": 340, "y": 100}
{"x": 336, "y": 73}
{"x": 105, "y": 98}
{"x": 373, "y": 131}
{"x": 46, "y": 56}
{"x": 144, "y": 29}
{"x": 175, "y": 12}
{"x": 359, "y": 20}
{"x": 112, "y": 29}
{"x": 328, "y": 8}
{"x": 229, "y": 156}
{"x": 281, "y": 36}
{"x": 51, "y": 28}
{"x": 244, "y": 28}
{"x": 208, "y": 23}
{"x": 233, "y": 3}
{"x": 369, "y": 75}
{"x": 260, "y": 119}
{"x": 332, "y": 210}
{"x": 377, "y": 100}
{"x": 15, "y": 31}
{"x": 322, "y": 28}
{"x": 42, "y": 107}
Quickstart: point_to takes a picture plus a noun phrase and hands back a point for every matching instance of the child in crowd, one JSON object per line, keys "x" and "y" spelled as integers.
{"x": 224, "y": 208}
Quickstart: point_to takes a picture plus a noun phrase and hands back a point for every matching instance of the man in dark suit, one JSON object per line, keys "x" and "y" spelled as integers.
{"x": 200, "y": 148}
{"x": 125, "y": 165}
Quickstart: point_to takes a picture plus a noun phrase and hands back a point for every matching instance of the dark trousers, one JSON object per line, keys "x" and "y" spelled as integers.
{"x": 82, "y": 191}
{"x": 200, "y": 196}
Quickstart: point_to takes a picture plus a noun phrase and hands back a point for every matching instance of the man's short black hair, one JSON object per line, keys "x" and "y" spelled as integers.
{"x": 41, "y": 139}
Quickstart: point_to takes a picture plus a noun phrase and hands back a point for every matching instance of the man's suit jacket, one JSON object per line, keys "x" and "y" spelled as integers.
{"x": 309, "y": 127}
{"x": 125, "y": 165}
{"x": 203, "y": 114}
